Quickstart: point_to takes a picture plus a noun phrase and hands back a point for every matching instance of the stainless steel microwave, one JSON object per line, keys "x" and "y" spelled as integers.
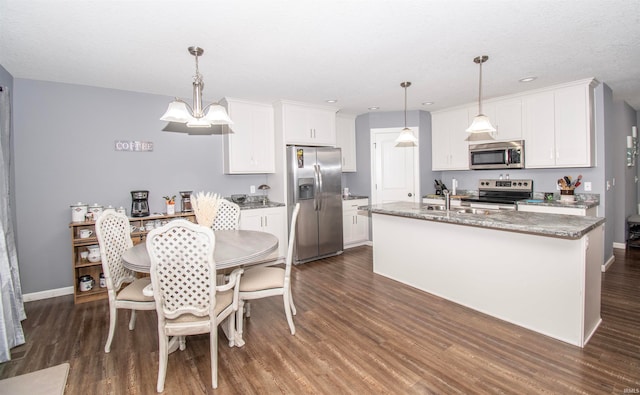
{"x": 498, "y": 155}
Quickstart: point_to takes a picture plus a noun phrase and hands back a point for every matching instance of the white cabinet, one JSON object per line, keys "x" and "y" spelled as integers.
{"x": 355, "y": 225}
{"x": 505, "y": 115}
{"x": 346, "y": 140}
{"x": 272, "y": 220}
{"x": 558, "y": 127}
{"x": 249, "y": 148}
{"x": 449, "y": 145}
{"x": 568, "y": 209}
{"x": 306, "y": 124}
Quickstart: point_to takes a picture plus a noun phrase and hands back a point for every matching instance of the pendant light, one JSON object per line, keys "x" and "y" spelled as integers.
{"x": 481, "y": 123}
{"x": 197, "y": 117}
{"x": 406, "y": 137}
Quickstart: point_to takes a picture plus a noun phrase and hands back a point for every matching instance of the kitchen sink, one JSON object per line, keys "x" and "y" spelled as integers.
{"x": 434, "y": 207}
{"x": 473, "y": 211}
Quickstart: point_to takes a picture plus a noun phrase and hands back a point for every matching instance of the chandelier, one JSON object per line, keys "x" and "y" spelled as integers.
{"x": 196, "y": 116}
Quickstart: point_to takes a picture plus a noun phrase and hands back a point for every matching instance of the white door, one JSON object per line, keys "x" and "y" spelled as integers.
{"x": 395, "y": 170}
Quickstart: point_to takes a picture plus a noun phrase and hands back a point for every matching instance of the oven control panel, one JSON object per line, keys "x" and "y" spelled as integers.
{"x": 506, "y": 185}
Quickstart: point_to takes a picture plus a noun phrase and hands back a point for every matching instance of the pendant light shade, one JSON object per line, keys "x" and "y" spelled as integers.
{"x": 196, "y": 117}
{"x": 406, "y": 137}
{"x": 481, "y": 122}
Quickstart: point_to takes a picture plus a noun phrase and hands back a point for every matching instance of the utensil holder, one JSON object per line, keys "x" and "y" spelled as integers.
{"x": 567, "y": 195}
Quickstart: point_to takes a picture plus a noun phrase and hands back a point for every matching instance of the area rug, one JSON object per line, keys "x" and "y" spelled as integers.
{"x": 50, "y": 381}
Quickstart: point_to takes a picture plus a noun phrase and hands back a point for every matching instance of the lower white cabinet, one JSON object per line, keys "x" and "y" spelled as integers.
{"x": 591, "y": 212}
{"x": 272, "y": 220}
{"x": 355, "y": 226}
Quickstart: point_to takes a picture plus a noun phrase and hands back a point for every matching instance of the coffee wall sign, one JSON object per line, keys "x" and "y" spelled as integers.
{"x": 133, "y": 146}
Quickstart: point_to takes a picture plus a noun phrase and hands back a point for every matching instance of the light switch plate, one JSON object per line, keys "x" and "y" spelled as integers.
{"x": 252, "y": 189}
{"x": 587, "y": 186}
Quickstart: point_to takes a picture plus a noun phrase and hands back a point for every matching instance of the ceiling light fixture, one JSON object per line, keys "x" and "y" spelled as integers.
{"x": 332, "y": 100}
{"x": 374, "y": 108}
{"x": 427, "y": 103}
{"x": 406, "y": 137}
{"x": 196, "y": 117}
{"x": 481, "y": 123}
{"x": 528, "y": 79}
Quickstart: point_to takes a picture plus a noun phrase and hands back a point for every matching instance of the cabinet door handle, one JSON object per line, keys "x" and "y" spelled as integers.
{"x": 266, "y": 222}
{"x": 311, "y": 133}
{"x": 262, "y": 222}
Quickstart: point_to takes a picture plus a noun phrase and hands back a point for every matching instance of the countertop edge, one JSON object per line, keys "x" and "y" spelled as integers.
{"x": 541, "y": 224}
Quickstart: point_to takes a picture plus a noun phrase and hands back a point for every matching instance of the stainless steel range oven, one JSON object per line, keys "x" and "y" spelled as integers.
{"x": 501, "y": 194}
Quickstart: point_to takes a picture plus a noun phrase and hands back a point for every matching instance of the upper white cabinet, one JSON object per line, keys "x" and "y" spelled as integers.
{"x": 346, "y": 140}
{"x": 249, "y": 148}
{"x": 558, "y": 126}
{"x": 505, "y": 116}
{"x": 449, "y": 145}
{"x": 306, "y": 124}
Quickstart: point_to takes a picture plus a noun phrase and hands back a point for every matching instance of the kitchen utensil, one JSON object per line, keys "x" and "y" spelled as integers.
{"x": 567, "y": 180}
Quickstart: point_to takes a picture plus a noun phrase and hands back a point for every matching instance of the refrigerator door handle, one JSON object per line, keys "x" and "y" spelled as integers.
{"x": 316, "y": 187}
{"x": 321, "y": 187}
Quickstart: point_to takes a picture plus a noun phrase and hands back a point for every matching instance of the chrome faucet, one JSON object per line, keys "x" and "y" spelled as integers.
{"x": 447, "y": 199}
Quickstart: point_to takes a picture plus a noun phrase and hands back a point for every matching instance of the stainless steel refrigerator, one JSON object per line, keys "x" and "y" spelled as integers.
{"x": 315, "y": 181}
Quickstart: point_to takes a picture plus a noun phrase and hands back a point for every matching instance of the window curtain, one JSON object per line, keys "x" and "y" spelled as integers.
{"x": 11, "y": 303}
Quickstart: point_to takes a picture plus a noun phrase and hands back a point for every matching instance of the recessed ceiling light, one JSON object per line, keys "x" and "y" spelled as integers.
{"x": 374, "y": 108}
{"x": 332, "y": 100}
{"x": 528, "y": 79}
{"x": 427, "y": 103}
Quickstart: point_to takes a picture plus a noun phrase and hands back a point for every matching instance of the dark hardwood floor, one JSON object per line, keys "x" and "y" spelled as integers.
{"x": 356, "y": 332}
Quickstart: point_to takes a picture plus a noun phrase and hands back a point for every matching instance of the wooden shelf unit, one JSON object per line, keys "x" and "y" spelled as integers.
{"x": 82, "y": 267}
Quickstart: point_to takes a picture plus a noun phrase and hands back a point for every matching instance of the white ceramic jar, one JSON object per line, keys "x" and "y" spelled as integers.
{"x": 78, "y": 212}
{"x": 95, "y": 210}
{"x": 94, "y": 253}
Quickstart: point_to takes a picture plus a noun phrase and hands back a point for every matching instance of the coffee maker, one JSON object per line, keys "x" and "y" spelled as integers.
{"x": 139, "y": 203}
{"x": 185, "y": 202}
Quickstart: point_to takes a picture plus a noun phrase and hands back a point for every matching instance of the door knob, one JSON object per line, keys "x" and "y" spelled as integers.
{"x": 410, "y": 194}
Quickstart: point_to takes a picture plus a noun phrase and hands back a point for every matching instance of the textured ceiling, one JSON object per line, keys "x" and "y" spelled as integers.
{"x": 355, "y": 51}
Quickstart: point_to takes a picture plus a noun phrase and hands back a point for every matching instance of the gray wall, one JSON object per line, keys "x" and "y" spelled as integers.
{"x": 64, "y": 152}
{"x": 360, "y": 182}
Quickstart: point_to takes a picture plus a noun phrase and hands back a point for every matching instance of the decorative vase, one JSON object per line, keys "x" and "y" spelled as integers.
{"x": 171, "y": 209}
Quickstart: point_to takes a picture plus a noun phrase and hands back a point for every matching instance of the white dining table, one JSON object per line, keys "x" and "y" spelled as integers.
{"x": 233, "y": 248}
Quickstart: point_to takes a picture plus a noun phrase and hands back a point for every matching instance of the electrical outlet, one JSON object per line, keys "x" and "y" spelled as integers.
{"x": 608, "y": 185}
{"x": 252, "y": 189}
{"x": 587, "y": 186}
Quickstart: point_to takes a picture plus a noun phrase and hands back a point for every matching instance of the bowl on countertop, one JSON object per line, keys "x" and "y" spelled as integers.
{"x": 238, "y": 199}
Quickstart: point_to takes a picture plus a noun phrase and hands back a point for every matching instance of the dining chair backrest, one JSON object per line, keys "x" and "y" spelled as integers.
{"x": 114, "y": 237}
{"x": 228, "y": 217}
{"x": 183, "y": 270}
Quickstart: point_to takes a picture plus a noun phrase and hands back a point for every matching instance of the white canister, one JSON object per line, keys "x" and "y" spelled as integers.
{"x": 86, "y": 283}
{"x": 95, "y": 210}
{"x": 78, "y": 212}
{"x": 121, "y": 210}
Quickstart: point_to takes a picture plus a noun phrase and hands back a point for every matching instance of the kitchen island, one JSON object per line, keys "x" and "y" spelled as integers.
{"x": 538, "y": 271}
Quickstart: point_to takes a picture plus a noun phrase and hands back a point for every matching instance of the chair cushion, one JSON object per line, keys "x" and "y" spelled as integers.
{"x": 223, "y": 300}
{"x": 259, "y": 278}
{"x": 633, "y": 219}
{"x": 133, "y": 291}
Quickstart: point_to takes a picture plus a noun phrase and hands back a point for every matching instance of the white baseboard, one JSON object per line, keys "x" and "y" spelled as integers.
{"x": 358, "y": 244}
{"x": 51, "y": 293}
{"x": 621, "y": 246}
{"x": 608, "y": 263}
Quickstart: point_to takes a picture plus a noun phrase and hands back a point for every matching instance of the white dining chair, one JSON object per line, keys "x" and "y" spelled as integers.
{"x": 265, "y": 281}
{"x": 228, "y": 216}
{"x": 123, "y": 288}
{"x": 188, "y": 302}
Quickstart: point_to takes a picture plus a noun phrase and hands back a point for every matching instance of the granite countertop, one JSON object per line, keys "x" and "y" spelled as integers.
{"x": 580, "y": 202}
{"x": 255, "y": 205}
{"x": 552, "y": 225}
{"x": 354, "y": 197}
